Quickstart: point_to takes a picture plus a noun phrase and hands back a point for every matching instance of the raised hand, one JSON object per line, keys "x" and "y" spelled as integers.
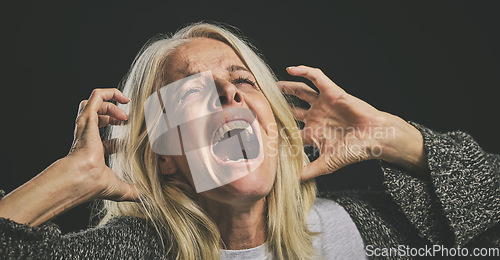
{"x": 80, "y": 176}
{"x": 344, "y": 128}
{"x": 89, "y": 152}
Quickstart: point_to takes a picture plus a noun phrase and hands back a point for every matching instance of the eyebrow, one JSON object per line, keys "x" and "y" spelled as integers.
{"x": 234, "y": 68}
{"x": 230, "y": 69}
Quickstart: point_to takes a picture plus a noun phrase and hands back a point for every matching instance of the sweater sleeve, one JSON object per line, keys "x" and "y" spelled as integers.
{"x": 458, "y": 202}
{"x": 120, "y": 238}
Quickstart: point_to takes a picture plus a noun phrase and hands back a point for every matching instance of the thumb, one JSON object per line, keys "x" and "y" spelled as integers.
{"x": 119, "y": 190}
{"x": 318, "y": 167}
{"x": 130, "y": 193}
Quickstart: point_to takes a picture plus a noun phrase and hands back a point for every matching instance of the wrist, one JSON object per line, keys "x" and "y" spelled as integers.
{"x": 83, "y": 177}
{"x": 403, "y": 145}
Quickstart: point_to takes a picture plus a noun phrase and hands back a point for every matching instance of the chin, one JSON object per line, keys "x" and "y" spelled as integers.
{"x": 252, "y": 184}
{"x": 250, "y": 188}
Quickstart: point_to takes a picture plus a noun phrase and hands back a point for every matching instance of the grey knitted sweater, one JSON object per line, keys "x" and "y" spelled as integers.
{"x": 456, "y": 205}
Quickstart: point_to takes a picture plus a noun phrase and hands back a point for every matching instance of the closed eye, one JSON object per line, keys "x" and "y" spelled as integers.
{"x": 188, "y": 92}
{"x": 243, "y": 80}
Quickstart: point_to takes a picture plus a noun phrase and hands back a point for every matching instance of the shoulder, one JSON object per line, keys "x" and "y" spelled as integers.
{"x": 120, "y": 237}
{"x": 361, "y": 203}
{"x": 328, "y": 214}
{"x": 121, "y": 226}
{"x": 336, "y": 234}
{"x": 377, "y": 217}
{"x": 367, "y": 209}
{"x": 133, "y": 229}
{"x": 325, "y": 209}
{"x": 125, "y": 222}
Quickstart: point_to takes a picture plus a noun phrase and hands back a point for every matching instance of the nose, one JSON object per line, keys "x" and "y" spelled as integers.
{"x": 228, "y": 93}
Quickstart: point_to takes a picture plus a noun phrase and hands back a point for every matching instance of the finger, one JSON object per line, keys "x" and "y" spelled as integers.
{"x": 112, "y": 110}
{"x": 81, "y": 106}
{"x": 131, "y": 194}
{"x": 109, "y": 114}
{"x": 108, "y": 120}
{"x": 106, "y": 108}
{"x": 90, "y": 108}
{"x": 98, "y": 96}
{"x": 298, "y": 89}
{"x": 110, "y": 146}
{"x": 316, "y": 76}
{"x": 317, "y": 168}
{"x": 79, "y": 122}
{"x": 299, "y": 113}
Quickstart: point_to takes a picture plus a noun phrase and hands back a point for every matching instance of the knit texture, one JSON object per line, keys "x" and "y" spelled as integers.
{"x": 457, "y": 204}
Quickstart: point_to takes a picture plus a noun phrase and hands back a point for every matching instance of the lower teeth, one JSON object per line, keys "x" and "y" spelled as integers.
{"x": 239, "y": 160}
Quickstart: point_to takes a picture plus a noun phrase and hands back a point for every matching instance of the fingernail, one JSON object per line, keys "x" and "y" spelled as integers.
{"x": 291, "y": 67}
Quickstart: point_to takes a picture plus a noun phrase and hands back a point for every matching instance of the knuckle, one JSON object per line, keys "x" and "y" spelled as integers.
{"x": 96, "y": 91}
{"x": 114, "y": 91}
{"x": 111, "y": 109}
{"x": 91, "y": 164}
{"x": 82, "y": 106}
{"x": 317, "y": 72}
{"x": 92, "y": 161}
{"x": 83, "y": 103}
{"x": 111, "y": 106}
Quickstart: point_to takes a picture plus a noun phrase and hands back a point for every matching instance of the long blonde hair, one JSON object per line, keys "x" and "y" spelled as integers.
{"x": 186, "y": 231}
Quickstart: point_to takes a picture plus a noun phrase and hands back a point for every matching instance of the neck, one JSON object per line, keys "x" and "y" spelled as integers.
{"x": 240, "y": 227}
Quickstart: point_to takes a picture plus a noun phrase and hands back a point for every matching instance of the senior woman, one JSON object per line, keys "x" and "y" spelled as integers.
{"x": 442, "y": 189}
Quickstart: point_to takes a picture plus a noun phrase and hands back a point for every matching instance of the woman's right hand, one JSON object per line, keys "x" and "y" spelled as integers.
{"x": 88, "y": 151}
{"x": 80, "y": 176}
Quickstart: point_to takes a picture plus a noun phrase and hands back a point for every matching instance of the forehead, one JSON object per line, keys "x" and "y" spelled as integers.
{"x": 200, "y": 54}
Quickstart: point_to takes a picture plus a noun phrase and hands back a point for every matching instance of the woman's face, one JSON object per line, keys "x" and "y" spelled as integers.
{"x": 231, "y": 135}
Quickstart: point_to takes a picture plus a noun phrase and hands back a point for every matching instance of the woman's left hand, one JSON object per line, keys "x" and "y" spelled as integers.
{"x": 347, "y": 130}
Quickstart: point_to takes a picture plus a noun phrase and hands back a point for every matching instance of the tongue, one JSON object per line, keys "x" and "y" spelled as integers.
{"x": 235, "y": 145}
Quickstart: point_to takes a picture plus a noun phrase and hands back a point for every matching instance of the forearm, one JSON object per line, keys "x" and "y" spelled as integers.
{"x": 50, "y": 193}
{"x": 458, "y": 201}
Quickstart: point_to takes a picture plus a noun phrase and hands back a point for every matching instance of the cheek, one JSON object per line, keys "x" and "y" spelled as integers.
{"x": 264, "y": 113}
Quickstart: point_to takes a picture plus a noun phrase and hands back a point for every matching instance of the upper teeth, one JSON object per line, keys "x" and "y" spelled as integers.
{"x": 239, "y": 124}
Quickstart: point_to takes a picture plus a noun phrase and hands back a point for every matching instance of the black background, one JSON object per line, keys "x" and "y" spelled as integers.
{"x": 433, "y": 62}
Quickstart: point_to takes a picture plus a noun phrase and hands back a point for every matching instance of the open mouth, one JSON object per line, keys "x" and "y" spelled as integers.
{"x": 235, "y": 141}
